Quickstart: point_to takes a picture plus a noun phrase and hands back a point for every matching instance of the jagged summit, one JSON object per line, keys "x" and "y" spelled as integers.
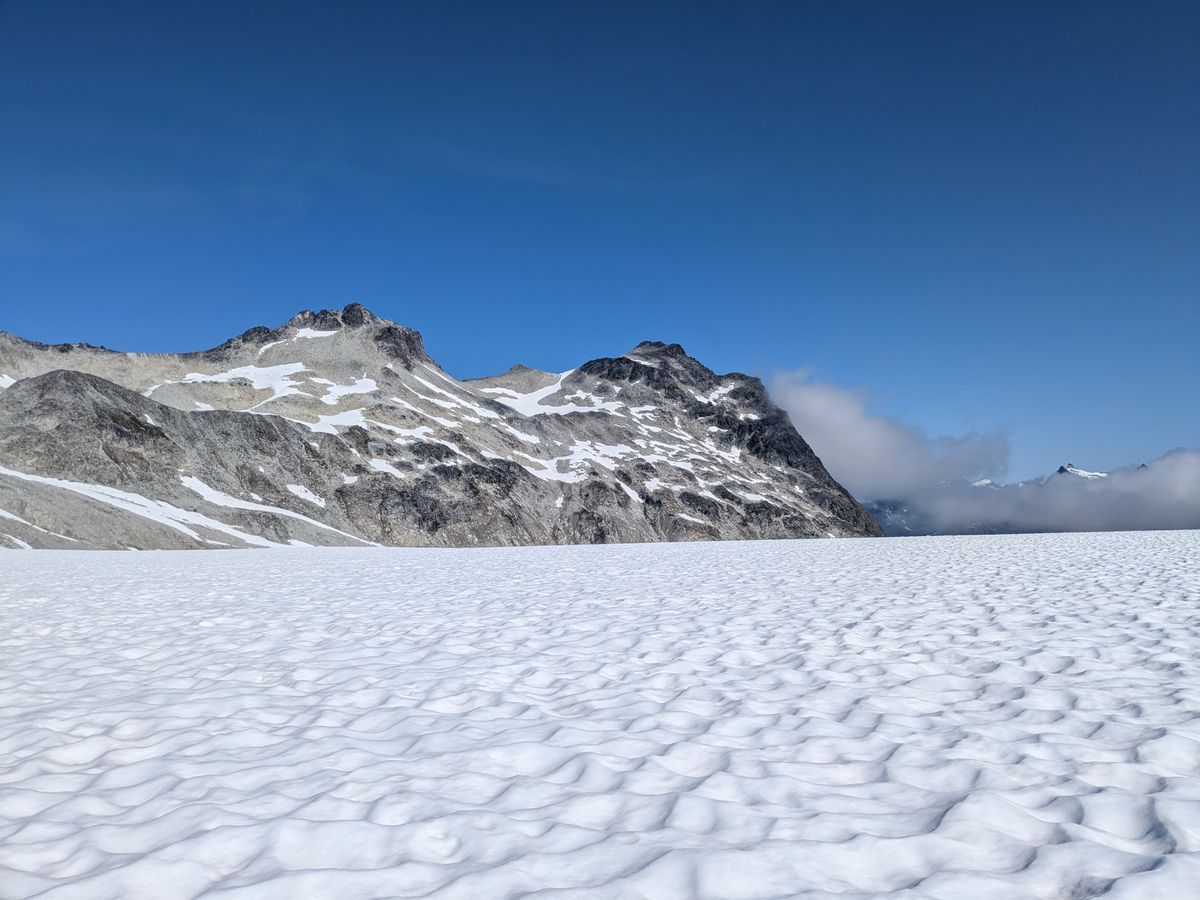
{"x": 658, "y": 348}
{"x": 398, "y": 341}
{"x": 353, "y": 315}
{"x": 337, "y": 427}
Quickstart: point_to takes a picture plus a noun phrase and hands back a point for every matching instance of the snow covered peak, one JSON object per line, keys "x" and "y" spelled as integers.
{"x": 1070, "y": 469}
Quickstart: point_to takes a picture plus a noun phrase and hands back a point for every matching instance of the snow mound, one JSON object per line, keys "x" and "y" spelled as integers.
{"x": 1008, "y": 716}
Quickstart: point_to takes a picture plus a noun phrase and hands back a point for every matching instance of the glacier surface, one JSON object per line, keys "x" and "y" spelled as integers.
{"x": 984, "y": 717}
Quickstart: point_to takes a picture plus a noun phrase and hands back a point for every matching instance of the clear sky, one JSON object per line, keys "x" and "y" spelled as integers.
{"x": 984, "y": 215}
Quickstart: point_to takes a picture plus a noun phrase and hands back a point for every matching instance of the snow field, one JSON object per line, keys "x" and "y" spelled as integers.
{"x": 982, "y": 717}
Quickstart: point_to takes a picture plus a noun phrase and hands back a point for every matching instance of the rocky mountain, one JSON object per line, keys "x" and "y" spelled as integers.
{"x": 338, "y": 428}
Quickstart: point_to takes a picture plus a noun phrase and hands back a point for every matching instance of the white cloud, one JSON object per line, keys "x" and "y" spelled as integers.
{"x": 877, "y": 457}
{"x": 1164, "y": 494}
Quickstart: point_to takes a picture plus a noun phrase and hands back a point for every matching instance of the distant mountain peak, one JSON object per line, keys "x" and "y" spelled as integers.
{"x": 1071, "y": 469}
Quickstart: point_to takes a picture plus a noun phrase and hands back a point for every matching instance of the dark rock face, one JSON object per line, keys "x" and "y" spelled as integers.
{"x": 356, "y": 315}
{"x": 337, "y": 428}
{"x": 402, "y": 344}
{"x": 250, "y": 338}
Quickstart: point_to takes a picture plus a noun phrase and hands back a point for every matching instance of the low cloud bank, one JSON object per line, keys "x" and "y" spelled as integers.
{"x": 879, "y": 458}
{"x": 1165, "y": 494}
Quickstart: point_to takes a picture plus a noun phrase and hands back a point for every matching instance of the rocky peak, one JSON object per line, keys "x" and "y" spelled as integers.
{"x": 320, "y": 320}
{"x": 353, "y": 315}
{"x": 397, "y": 342}
{"x": 658, "y": 348}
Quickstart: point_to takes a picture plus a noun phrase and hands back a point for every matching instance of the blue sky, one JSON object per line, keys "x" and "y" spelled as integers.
{"x": 984, "y": 216}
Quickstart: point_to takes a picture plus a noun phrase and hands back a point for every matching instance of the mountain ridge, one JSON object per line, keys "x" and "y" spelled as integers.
{"x": 371, "y": 441}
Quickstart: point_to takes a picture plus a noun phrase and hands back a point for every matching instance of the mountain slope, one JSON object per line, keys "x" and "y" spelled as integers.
{"x": 339, "y": 428}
